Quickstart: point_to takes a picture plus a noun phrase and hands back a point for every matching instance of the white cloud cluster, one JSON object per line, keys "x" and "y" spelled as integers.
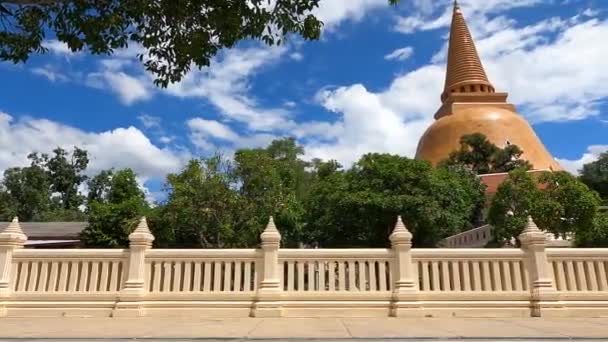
{"x": 400, "y": 54}
{"x": 592, "y": 154}
{"x": 548, "y": 78}
{"x": 226, "y": 84}
{"x": 117, "y": 148}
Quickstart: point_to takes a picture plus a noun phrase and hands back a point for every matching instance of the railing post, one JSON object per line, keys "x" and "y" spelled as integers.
{"x": 133, "y": 292}
{"x": 544, "y": 299}
{"x": 405, "y": 287}
{"x": 10, "y": 239}
{"x": 267, "y": 303}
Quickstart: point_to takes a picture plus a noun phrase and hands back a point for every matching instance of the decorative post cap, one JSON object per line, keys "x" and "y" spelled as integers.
{"x": 141, "y": 235}
{"x": 13, "y": 234}
{"x": 271, "y": 234}
{"x": 400, "y": 234}
{"x": 532, "y": 234}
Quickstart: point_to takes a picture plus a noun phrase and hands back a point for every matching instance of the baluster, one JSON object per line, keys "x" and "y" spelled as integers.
{"x": 217, "y": 276}
{"x": 227, "y": 276}
{"x": 290, "y": 276}
{"x": 84, "y": 276}
{"x": 247, "y": 277}
{"x": 506, "y": 271}
{"x": 33, "y": 279}
{"x": 207, "y": 276}
{"x": 382, "y": 276}
{"x": 426, "y": 281}
{"x": 603, "y": 280}
{"x": 581, "y": 276}
{"x": 23, "y": 275}
{"x": 560, "y": 279}
{"x": 362, "y": 271}
{"x": 445, "y": 276}
{"x": 495, "y": 268}
{"x": 237, "y": 276}
{"x": 94, "y": 277}
{"x": 44, "y": 272}
{"x": 300, "y": 276}
{"x": 435, "y": 276}
{"x": 63, "y": 276}
{"x": 341, "y": 276}
{"x": 73, "y": 282}
{"x": 477, "y": 286}
{"x": 571, "y": 276}
{"x": 332, "y": 275}
{"x": 197, "y": 276}
{"x": 456, "y": 275}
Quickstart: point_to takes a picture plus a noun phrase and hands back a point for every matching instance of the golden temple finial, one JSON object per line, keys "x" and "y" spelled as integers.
{"x": 465, "y": 73}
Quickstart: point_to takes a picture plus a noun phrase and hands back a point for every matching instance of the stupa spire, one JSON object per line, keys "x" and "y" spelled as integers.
{"x": 465, "y": 73}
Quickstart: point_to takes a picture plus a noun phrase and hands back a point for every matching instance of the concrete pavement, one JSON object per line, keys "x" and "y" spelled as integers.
{"x": 309, "y": 328}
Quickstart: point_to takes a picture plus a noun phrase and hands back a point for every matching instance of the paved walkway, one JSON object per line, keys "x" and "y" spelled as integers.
{"x": 322, "y": 328}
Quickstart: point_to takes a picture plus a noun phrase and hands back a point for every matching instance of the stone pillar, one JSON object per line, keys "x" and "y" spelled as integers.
{"x": 10, "y": 239}
{"x": 404, "y": 285}
{"x": 268, "y": 298}
{"x": 544, "y": 299}
{"x": 134, "y": 290}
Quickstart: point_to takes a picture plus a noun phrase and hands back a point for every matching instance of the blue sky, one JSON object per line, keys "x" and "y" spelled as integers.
{"x": 371, "y": 84}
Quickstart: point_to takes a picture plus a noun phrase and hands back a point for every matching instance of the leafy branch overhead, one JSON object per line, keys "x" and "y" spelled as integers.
{"x": 175, "y": 34}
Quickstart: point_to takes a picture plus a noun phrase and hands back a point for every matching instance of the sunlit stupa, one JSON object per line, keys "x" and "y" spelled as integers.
{"x": 470, "y": 104}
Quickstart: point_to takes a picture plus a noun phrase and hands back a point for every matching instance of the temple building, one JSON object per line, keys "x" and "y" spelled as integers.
{"x": 470, "y": 104}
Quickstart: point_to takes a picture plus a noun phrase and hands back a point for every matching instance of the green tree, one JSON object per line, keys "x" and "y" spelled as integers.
{"x": 66, "y": 174}
{"x": 27, "y": 189}
{"x": 596, "y": 235}
{"x": 358, "y": 207}
{"x": 99, "y": 186}
{"x": 114, "y": 216}
{"x": 482, "y": 156}
{"x": 595, "y": 175}
{"x": 274, "y": 181}
{"x": 557, "y": 201}
{"x": 175, "y": 35}
{"x": 203, "y": 208}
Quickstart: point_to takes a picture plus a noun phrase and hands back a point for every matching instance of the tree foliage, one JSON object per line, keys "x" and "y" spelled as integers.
{"x": 114, "y": 215}
{"x": 358, "y": 207}
{"x": 595, "y": 175}
{"x": 557, "y": 201}
{"x": 482, "y": 156}
{"x": 175, "y": 34}
{"x": 47, "y": 189}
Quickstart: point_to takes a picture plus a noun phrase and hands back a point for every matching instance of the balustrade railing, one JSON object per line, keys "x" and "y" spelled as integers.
{"x": 272, "y": 281}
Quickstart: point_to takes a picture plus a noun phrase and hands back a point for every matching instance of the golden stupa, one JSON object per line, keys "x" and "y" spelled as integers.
{"x": 471, "y": 105}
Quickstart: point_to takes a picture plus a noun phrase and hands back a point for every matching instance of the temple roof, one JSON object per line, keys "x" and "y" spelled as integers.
{"x": 465, "y": 73}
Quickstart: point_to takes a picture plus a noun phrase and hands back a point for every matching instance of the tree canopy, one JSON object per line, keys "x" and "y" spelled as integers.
{"x": 48, "y": 189}
{"x": 113, "y": 215}
{"x": 595, "y": 175}
{"x": 175, "y": 34}
{"x": 557, "y": 201}
{"x": 225, "y": 202}
{"x": 359, "y": 206}
{"x": 482, "y": 156}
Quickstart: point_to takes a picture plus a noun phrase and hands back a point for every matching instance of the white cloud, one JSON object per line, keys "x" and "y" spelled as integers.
{"x": 117, "y": 148}
{"x": 575, "y": 165}
{"x": 211, "y": 135}
{"x": 50, "y": 73}
{"x": 226, "y": 84}
{"x": 334, "y": 12}
{"x": 150, "y": 121}
{"x": 129, "y": 89}
{"x": 296, "y": 56}
{"x": 400, "y": 54}
{"x": 56, "y": 47}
